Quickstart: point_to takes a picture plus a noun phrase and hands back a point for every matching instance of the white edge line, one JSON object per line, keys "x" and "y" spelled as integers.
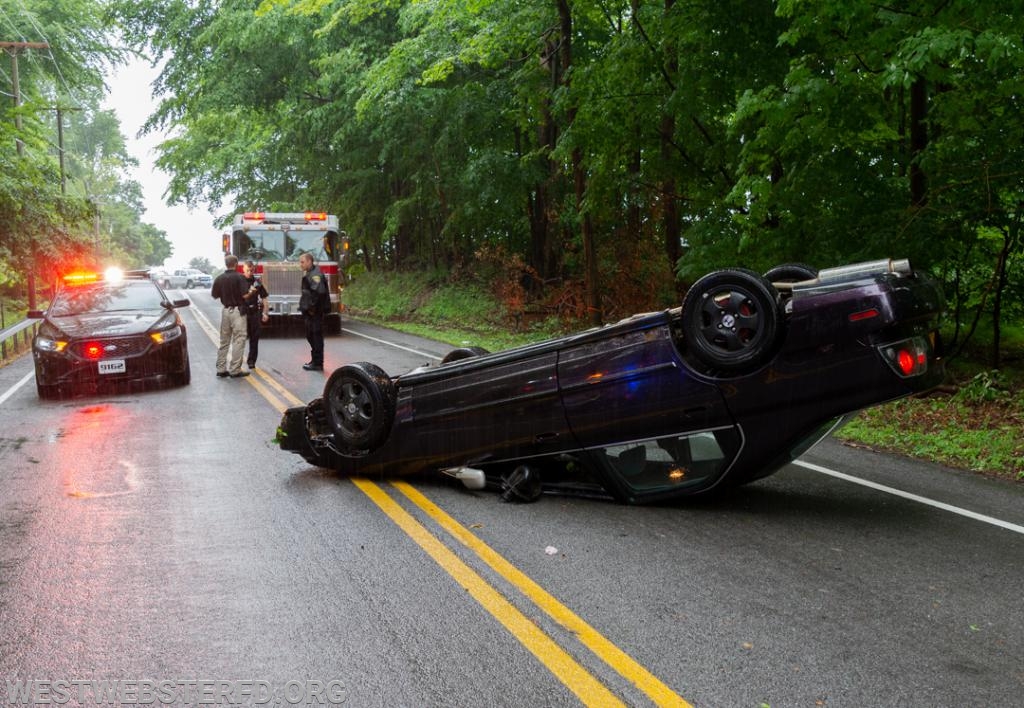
{"x": 913, "y": 497}
{"x": 392, "y": 344}
{"x": 10, "y": 392}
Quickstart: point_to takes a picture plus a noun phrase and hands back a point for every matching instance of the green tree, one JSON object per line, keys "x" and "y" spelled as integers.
{"x": 618, "y": 144}
{"x": 43, "y": 226}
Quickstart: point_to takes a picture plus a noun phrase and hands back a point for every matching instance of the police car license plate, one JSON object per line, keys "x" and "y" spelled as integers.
{"x": 112, "y": 366}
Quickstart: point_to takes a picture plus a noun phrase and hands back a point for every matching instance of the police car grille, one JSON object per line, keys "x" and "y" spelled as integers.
{"x": 118, "y": 348}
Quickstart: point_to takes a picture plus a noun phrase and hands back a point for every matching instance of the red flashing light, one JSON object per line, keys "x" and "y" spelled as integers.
{"x": 863, "y": 315}
{"x": 315, "y": 215}
{"x": 92, "y": 350}
{"x": 254, "y": 215}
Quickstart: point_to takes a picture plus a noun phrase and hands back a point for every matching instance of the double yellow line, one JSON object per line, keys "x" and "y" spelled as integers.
{"x": 558, "y": 661}
{"x": 570, "y": 672}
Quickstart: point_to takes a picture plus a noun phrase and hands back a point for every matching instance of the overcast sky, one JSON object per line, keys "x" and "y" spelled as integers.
{"x": 191, "y": 233}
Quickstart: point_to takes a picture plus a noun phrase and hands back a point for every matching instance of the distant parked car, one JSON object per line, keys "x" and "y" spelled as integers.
{"x": 743, "y": 378}
{"x": 186, "y": 278}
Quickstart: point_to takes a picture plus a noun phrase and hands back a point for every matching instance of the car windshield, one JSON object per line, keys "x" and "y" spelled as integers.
{"x": 105, "y": 297}
{"x": 287, "y": 245}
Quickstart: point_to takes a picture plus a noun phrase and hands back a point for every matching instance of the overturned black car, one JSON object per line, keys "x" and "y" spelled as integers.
{"x": 741, "y": 379}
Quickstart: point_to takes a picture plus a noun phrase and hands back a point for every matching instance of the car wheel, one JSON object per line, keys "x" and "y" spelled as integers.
{"x": 791, "y": 273}
{"x": 188, "y": 284}
{"x": 185, "y": 377}
{"x": 731, "y": 319}
{"x": 463, "y": 353}
{"x": 360, "y": 402}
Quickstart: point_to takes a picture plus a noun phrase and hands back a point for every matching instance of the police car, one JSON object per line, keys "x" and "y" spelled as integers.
{"x": 110, "y": 328}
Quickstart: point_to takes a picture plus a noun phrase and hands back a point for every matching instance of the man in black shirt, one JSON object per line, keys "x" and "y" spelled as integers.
{"x": 230, "y": 287}
{"x": 314, "y": 303}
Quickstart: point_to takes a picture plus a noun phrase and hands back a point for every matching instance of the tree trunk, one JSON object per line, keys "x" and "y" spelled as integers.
{"x": 579, "y": 176}
{"x": 918, "y": 141}
{"x": 671, "y": 225}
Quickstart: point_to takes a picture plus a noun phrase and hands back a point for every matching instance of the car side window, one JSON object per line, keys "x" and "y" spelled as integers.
{"x": 673, "y": 461}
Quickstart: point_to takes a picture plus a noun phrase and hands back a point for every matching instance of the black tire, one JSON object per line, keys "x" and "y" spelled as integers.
{"x": 731, "y": 320}
{"x": 185, "y": 377}
{"x": 463, "y": 353}
{"x": 188, "y": 284}
{"x": 360, "y": 402}
{"x": 791, "y": 273}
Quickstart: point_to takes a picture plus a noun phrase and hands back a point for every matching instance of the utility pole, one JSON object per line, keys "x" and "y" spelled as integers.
{"x": 60, "y": 151}
{"x": 13, "y": 48}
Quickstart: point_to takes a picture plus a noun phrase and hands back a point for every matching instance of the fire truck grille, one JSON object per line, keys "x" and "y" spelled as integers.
{"x": 282, "y": 279}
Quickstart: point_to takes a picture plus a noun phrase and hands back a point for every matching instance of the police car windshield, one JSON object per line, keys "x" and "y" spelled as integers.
{"x": 105, "y": 297}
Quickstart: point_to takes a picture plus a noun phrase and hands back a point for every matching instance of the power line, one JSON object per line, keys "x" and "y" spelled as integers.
{"x": 14, "y": 27}
{"x": 49, "y": 51}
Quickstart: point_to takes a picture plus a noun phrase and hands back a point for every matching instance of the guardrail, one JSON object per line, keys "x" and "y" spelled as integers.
{"x": 17, "y": 338}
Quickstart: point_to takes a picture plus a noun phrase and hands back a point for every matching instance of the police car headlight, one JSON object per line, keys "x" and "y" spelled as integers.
{"x": 48, "y": 344}
{"x": 166, "y": 335}
{"x": 50, "y": 339}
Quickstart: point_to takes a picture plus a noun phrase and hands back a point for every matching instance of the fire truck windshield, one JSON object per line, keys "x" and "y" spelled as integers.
{"x": 259, "y": 245}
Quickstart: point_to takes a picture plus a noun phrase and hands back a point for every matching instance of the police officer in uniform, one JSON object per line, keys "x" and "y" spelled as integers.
{"x": 257, "y": 311}
{"x": 314, "y": 303}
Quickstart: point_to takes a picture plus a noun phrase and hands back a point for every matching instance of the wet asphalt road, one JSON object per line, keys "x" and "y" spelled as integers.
{"x": 162, "y": 536}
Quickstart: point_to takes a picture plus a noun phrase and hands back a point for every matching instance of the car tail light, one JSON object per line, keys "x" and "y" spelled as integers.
{"x": 908, "y": 357}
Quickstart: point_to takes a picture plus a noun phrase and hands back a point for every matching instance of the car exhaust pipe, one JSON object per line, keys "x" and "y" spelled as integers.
{"x": 470, "y": 477}
{"x": 858, "y": 270}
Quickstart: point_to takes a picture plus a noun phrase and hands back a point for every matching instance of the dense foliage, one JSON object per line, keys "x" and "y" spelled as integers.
{"x": 84, "y": 211}
{"x": 609, "y": 151}
{"x": 628, "y": 146}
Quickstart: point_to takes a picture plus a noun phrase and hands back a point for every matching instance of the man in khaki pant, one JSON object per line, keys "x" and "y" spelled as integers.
{"x": 229, "y": 287}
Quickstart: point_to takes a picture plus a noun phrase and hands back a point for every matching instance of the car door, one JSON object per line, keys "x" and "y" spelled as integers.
{"x": 648, "y": 426}
{"x": 487, "y": 408}
{"x": 628, "y": 382}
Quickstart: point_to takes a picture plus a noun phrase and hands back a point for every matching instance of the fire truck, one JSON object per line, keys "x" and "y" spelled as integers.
{"x": 273, "y": 241}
